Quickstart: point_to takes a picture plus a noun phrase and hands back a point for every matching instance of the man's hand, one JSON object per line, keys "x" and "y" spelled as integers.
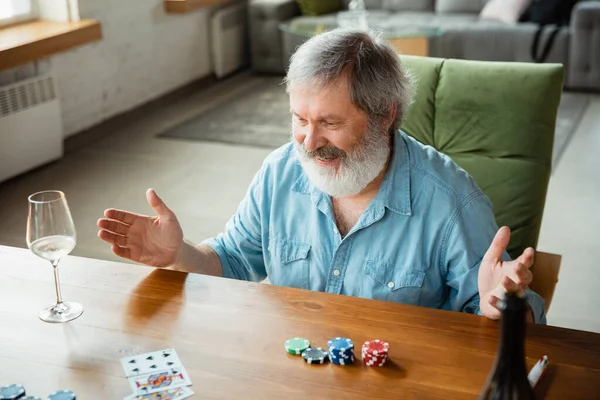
{"x": 496, "y": 277}
{"x": 155, "y": 241}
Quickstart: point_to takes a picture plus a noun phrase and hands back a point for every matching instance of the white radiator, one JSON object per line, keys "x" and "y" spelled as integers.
{"x": 229, "y": 39}
{"x": 30, "y": 125}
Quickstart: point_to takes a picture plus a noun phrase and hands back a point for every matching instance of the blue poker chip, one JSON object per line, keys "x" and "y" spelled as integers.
{"x": 340, "y": 344}
{"x": 62, "y": 395}
{"x": 341, "y": 354}
{"x": 343, "y": 361}
{"x": 12, "y": 392}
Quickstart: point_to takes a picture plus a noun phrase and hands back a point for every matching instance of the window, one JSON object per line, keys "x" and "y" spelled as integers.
{"x": 12, "y": 11}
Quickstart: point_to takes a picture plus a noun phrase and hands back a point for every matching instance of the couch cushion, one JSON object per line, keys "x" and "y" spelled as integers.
{"x": 508, "y": 11}
{"x": 408, "y": 5}
{"x": 496, "y": 41}
{"x": 459, "y": 6}
{"x": 497, "y": 121}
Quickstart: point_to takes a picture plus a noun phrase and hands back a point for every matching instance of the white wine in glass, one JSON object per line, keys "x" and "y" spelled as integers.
{"x": 51, "y": 236}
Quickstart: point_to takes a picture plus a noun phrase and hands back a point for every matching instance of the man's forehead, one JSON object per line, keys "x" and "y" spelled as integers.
{"x": 329, "y": 99}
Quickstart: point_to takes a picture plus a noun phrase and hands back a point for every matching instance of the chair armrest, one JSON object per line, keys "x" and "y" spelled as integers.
{"x": 545, "y": 269}
{"x": 584, "y": 53}
{"x": 265, "y": 37}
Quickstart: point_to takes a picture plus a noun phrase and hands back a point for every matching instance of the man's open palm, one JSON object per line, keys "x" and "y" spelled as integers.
{"x": 496, "y": 277}
{"x": 155, "y": 241}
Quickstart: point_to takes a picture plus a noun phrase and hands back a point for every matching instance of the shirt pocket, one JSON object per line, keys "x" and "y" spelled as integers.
{"x": 290, "y": 263}
{"x": 392, "y": 283}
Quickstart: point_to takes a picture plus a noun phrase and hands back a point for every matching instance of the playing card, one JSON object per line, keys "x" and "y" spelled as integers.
{"x": 159, "y": 381}
{"x": 150, "y": 362}
{"x": 170, "y": 394}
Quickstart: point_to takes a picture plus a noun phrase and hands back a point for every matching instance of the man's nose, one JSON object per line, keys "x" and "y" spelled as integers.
{"x": 313, "y": 140}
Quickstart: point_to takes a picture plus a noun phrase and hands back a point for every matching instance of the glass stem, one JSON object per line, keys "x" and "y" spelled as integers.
{"x": 57, "y": 283}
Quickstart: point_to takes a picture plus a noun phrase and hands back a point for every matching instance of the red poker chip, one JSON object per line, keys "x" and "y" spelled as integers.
{"x": 367, "y": 357}
{"x": 374, "y": 358}
{"x": 376, "y": 347}
{"x": 374, "y": 362}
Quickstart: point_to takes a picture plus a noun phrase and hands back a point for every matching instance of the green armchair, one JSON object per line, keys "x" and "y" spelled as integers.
{"x": 497, "y": 121}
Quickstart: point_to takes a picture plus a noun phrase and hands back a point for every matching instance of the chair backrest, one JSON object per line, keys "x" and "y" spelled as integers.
{"x": 496, "y": 120}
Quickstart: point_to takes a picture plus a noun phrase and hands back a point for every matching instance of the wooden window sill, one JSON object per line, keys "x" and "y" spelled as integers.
{"x": 30, "y": 41}
{"x": 185, "y": 6}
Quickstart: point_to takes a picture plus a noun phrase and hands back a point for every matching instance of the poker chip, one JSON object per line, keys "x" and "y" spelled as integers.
{"x": 12, "y": 392}
{"x": 342, "y": 360}
{"x": 340, "y": 343}
{"x": 296, "y": 345}
{"x": 341, "y": 351}
{"x": 314, "y": 355}
{"x": 375, "y": 352}
{"x": 62, "y": 395}
{"x": 376, "y": 347}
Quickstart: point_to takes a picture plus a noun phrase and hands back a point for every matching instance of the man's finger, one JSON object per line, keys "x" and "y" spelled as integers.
{"x": 509, "y": 285}
{"x": 113, "y": 226}
{"x": 121, "y": 251}
{"x": 493, "y": 301}
{"x": 518, "y": 273}
{"x": 527, "y": 257}
{"x": 112, "y": 238}
{"x": 498, "y": 246}
{"x": 122, "y": 216}
{"x": 157, "y": 204}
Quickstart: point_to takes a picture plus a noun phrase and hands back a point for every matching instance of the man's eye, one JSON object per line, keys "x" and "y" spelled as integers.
{"x": 301, "y": 120}
{"x": 331, "y": 124}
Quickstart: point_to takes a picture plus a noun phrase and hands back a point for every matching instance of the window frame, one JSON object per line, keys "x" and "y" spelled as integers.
{"x": 31, "y": 16}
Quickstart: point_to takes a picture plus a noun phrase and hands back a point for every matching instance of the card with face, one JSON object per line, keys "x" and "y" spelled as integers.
{"x": 150, "y": 362}
{"x": 169, "y": 394}
{"x": 159, "y": 381}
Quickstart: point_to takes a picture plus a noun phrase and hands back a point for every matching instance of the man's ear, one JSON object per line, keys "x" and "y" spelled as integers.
{"x": 392, "y": 118}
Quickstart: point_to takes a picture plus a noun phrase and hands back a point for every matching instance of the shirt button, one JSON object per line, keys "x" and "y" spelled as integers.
{"x": 335, "y": 230}
{"x": 391, "y": 285}
{"x": 336, "y": 272}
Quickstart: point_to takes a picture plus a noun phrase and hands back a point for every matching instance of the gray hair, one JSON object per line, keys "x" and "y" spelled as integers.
{"x": 378, "y": 82}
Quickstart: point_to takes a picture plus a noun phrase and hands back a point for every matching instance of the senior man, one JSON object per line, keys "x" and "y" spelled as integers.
{"x": 352, "y": 205}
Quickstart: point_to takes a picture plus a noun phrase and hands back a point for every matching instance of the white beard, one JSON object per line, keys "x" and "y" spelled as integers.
{"x": 360, "y": 167}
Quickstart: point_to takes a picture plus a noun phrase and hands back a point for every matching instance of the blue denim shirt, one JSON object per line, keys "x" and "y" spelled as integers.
{"x": 419, "y": 242}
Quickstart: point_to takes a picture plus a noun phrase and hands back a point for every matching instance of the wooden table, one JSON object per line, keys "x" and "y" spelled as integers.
{"x": 230, "y": 335}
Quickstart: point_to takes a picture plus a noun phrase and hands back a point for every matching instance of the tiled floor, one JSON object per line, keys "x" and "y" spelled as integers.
{"x": 204, "y": 182}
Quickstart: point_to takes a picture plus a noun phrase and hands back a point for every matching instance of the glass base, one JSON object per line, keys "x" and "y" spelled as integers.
{"x": 62, "y": 312}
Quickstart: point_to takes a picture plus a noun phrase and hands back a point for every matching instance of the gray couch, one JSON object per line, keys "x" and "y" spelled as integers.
{"x": 465, "y": 36}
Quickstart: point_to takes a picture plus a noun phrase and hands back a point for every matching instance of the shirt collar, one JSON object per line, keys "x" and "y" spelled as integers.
{"x": 394, "y": 192}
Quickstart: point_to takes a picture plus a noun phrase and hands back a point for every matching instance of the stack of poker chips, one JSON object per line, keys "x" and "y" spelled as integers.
{"x": 17, "y": 392}
{"x": 375, "y": 352}
{"x": 341, "y": 351}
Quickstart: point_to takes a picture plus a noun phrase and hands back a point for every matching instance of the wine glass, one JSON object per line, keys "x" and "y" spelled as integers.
{"x": 51, "y": 236}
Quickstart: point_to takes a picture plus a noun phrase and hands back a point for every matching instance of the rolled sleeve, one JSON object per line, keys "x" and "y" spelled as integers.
{"x": 466, "y": 239}
{"x": 538, "y": 307}
{"x": 239, "y": 247}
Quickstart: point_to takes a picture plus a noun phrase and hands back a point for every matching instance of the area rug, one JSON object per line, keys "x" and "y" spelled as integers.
{"x": 260, "y": 117}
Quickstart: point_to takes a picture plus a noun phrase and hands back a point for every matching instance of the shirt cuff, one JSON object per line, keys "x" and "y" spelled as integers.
{"x": 538, "y": 306}
{"x": 215, "y": 244}
{"x": 536, "y": 303}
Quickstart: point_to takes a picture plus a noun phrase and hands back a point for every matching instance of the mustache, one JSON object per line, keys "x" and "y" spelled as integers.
{"x": 325, "y": 153}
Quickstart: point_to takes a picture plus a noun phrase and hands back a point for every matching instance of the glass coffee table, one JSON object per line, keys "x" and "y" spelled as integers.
{"x": 407, "y": 39}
